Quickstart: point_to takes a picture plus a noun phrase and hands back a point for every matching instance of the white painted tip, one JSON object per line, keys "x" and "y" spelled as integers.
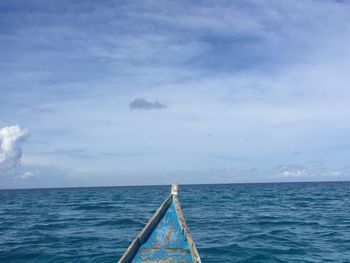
{"x": 174, "y": 189}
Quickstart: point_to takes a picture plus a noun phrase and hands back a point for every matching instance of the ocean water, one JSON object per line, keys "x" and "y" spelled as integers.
{"x": 287, "y": 222}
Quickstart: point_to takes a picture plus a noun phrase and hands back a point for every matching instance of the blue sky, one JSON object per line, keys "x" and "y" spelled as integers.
{"x": 155, "y": 92}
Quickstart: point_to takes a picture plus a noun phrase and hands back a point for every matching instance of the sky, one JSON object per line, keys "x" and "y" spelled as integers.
{"x": 102, "y": 93}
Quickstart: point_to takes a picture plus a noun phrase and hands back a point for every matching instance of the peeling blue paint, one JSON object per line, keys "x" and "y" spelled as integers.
{"x": 167, "y": 243}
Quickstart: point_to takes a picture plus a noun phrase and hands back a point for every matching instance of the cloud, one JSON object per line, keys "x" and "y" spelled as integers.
{"x": 142, "y": 104}
{"x": 27, "y": 175}
{"x": 293, "y": 171}
{"x": 43, "y": 110}
{"x": 11, "y": 152}
{"x": 333, "y": 173}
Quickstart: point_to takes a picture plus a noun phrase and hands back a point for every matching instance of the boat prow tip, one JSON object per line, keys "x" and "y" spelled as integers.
{"x": 174, "y": 189}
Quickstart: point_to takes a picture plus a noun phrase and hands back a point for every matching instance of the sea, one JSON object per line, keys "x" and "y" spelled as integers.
{"x": 270, "y": 222}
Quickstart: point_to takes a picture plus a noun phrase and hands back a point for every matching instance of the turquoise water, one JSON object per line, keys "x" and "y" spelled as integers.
{"x": 294, "y": 222}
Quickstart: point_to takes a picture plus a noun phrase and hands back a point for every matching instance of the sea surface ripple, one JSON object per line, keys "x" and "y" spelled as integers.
{"x": 277, "y": 222}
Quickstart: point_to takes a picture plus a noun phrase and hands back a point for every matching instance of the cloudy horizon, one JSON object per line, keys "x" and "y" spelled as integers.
{"x": 148, "y": 92}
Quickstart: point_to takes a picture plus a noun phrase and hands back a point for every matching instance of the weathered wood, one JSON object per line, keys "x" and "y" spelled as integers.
{"x": 145, "y": 232}
{"x": 165, "y": 238}
{"x": 194, "y": 252}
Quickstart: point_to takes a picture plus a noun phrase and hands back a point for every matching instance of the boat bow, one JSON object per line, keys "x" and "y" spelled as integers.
{"x": 165, "y": 238}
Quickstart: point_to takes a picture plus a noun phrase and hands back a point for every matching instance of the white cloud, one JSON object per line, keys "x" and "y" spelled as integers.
{"x": 27, "y": 174}
{"x": 293, "y": 171}
{"x": 11, "y": 152}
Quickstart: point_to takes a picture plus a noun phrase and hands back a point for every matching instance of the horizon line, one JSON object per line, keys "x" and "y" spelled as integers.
{"x": 186, "y": 184}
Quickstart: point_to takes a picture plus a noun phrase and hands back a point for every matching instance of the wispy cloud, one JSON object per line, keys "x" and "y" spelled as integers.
{"x": 43, "y": 110}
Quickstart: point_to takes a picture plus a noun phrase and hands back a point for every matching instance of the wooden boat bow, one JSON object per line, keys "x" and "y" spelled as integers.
{"x": 165, "y": 238}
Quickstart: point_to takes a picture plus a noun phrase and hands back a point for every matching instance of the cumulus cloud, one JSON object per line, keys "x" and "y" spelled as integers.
{"x": 142, "y": 104}
{"x": 10, "y": 150}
